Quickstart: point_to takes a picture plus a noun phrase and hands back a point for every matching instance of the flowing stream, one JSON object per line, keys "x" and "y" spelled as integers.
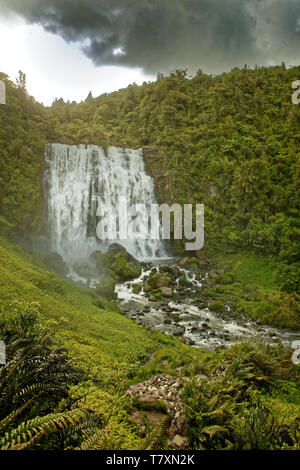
{"x": 184, "y": 316}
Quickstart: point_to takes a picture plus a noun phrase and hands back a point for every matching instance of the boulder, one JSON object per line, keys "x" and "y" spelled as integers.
{"x": 126, "y": 266}
{"x": 147, "y": 287}
{"x": 166, "y": 291}
{"x": 171, "y": 271}
{"x": 117, "y": 262}
{"x": 116, "y": 249}
{"x": 182, "y": 280}
{"x": 179, "y": 331}
{"x": 136, "y": 288}
{"x": 159, "y": 280}
{"x": 153, "y": 298}
{"x": 189, "y": 263}
{"x": 175, "y": 317}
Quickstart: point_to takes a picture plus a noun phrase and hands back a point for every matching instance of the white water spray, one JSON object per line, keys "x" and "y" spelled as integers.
{"x": 79, "y": 179}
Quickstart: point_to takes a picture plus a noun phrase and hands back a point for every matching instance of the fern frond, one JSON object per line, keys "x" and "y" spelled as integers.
{"x": 214, "y": 430}
{"x": 8, "y": 419}
{"x": 95, "y": 441}
{"x": 154, "y": 437}
{"x": 28, "y": 432}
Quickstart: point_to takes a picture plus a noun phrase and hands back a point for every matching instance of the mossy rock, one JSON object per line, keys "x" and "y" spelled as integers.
{"x": 126, "y": 269}
{"x": 171, "y": 271}
{"x": 106, "y": 288}
{"x": 136, "y": 288}
{"x": 159, "y": 280}
{"x": 115, "y": 248}
{"x": 158, "y": 295}
{"x": 117, "y": 263}
{"x": 123, "y": 264}
{"x": 147, "y": 287}
{"x": 182, "y": 280}
{"x": 175, "y": 317}
{"x": 189, "y": 263}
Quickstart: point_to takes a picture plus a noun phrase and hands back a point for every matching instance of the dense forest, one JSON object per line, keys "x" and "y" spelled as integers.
{"x": 229, "y": 141}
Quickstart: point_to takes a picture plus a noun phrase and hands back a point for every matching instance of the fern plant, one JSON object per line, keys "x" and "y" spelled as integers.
{"x": 35, "y": 408}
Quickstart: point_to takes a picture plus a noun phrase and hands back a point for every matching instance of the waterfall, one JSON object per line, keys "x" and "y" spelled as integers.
{"x": 78, "y": 180}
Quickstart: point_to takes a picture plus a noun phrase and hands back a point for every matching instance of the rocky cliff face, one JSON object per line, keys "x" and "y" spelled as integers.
{"x": 156, "y": 167}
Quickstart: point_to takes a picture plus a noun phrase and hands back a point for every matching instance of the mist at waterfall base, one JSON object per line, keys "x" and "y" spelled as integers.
{"x": 80, "y": 179}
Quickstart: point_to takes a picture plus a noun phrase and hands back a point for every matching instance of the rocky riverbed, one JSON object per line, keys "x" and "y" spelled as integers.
{"x": 173, "y": 296}
{"x": 169, "y": 298}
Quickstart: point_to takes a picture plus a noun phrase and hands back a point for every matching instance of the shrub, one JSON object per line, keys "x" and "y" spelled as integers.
{"x": 217, "y": 307}
{"x": 106, "y": 287}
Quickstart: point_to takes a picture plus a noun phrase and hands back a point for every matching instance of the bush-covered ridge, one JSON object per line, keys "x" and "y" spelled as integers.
{"x": 230, "y": 141}
{"x": 24, "y": 132}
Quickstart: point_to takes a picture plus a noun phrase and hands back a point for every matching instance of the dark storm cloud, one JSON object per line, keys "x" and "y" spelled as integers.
{"x": 160, "y": 35}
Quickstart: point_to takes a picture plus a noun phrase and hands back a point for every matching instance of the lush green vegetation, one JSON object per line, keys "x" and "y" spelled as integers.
{"x": 111, "y": 349}
{"x": 251, "y": 404}
{"x": 248, "y": 280}
{"x": 23, "y": 135}
{"x": 51, "y": 399}
{"x": 230, "y": 141}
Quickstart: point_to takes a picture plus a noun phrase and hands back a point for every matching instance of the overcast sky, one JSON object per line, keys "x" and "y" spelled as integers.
{"x": 69, "y": 47}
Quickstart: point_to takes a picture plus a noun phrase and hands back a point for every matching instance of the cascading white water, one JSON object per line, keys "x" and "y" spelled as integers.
{"x": 79, "y": 179}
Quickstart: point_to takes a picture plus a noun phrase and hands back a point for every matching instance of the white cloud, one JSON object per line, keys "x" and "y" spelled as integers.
{"x": 54, "y": 68}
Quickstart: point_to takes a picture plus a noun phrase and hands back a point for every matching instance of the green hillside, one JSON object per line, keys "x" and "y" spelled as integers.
{"x": 101, "y": 338}
{"x": 112, "y": 349}
{"x": 115, "y": 352}
{"x": 229, "y": 141}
